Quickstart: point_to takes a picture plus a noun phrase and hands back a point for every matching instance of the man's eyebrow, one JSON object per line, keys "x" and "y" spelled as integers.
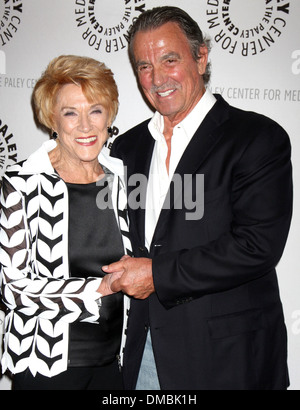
{"x": 141, "y": 62}
{"x": 165, "y": 57}
{"x": 170, "y": 55}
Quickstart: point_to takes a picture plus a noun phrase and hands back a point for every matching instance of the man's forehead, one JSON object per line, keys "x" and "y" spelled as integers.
{"x": 166, "y": 39}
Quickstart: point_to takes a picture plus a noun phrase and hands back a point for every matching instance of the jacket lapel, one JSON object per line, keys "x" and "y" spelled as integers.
{"x": 142, "y": 164}
{"x": 203, "y": 142}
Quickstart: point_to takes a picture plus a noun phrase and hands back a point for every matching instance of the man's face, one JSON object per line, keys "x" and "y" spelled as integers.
{"x": 169, "y": 75}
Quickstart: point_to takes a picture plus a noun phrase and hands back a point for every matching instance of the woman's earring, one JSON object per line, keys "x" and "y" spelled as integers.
{"x": 54, "y": 135}
{"x": 110, "y": 131}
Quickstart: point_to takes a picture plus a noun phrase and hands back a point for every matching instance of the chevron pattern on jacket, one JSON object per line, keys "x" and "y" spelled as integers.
{"x": 41, "y": 298}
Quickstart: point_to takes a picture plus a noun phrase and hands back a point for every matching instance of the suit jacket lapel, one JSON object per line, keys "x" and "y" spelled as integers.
{"x": 204, "y": 140}
{"x": 142, "y": 168}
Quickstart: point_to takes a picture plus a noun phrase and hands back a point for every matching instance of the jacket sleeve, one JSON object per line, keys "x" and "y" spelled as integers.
{"x": 261, "y": 208}
{"x": 24, "y": 289}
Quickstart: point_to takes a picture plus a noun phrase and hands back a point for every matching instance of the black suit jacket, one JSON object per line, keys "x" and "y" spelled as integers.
{"x": 216, "y": 318}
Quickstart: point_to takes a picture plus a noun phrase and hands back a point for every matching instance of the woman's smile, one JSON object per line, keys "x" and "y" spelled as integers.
{"x": 86, "y": 141}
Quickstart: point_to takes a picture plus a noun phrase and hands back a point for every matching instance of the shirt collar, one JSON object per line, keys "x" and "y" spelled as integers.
{"x": 190, "y": 124}
{"x": 39, "y": 161}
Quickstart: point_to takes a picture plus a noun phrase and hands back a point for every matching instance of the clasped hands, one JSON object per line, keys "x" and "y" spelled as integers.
{"x": 132, "y": 276}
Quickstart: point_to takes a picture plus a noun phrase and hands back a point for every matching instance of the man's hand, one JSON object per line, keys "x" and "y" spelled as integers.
{"x": 106, "y": 283}
{"x": 132, "y": 276}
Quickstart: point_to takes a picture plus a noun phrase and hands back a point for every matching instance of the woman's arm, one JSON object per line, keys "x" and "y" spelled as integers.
{"x": 23, "y": 287}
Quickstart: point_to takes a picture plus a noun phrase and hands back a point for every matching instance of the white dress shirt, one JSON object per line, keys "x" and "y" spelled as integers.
{"x": 159, "y": 179}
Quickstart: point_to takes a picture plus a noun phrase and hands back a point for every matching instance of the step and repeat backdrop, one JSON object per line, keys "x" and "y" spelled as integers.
{"x": 255, "y": 60}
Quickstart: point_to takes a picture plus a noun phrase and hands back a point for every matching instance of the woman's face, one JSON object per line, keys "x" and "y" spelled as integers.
{"x": 80, "y": 125}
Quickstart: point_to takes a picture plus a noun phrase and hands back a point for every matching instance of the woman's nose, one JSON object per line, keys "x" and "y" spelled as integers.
{"x": 84, "y": 123}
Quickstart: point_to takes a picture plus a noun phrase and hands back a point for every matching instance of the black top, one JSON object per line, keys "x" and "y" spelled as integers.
{"x": 94, "y": 241}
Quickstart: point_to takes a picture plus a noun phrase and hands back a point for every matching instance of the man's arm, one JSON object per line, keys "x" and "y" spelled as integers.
{"x": 261, "y": 197}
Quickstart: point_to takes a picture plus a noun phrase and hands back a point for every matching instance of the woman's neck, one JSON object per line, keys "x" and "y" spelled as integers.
{"x": 75, "y": 171}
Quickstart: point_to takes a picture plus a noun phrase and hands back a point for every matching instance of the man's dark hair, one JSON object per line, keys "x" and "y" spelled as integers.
{"x": 158, "y": 16}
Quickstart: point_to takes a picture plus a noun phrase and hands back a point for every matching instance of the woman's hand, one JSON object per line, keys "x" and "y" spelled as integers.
{"x": 105, "y": 286}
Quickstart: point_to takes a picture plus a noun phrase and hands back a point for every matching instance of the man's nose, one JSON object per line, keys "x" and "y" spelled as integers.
{"x": 158, "y": 77}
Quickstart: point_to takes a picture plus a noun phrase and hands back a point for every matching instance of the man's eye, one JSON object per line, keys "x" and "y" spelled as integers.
{"x": 143, "y": 67}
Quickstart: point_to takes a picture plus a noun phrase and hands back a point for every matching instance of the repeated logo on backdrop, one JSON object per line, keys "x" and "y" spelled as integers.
{"x": 247, "y": 28}
{"x": 8, "y": 148}
{"x": 10, "y": 20}
{"x": 104, "y": 25}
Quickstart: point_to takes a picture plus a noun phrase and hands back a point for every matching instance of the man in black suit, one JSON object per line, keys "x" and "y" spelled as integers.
{"x": 205, "y": 311}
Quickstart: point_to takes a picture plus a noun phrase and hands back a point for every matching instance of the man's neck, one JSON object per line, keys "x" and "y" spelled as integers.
{"x": 170, "y": 123}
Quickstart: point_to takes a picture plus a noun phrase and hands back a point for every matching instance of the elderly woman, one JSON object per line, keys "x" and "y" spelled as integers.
{"x": 61, "y": 221}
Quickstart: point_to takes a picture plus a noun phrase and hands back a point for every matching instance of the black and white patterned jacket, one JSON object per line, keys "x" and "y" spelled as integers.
{"x": 41, "y": 297}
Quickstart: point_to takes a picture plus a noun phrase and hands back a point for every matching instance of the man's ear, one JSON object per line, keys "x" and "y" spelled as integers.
{"x": 202, "y": 59}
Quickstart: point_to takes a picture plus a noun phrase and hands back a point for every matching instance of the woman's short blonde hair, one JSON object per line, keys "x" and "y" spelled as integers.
{"x": 97, "y": 82}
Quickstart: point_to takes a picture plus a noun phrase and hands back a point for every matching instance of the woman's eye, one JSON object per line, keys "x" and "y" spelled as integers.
{"x": 98, "y": 111}
{"x": 69, "y": 114}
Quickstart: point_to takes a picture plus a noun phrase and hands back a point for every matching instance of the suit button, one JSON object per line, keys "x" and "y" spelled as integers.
{"x": 183, "y": 300}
